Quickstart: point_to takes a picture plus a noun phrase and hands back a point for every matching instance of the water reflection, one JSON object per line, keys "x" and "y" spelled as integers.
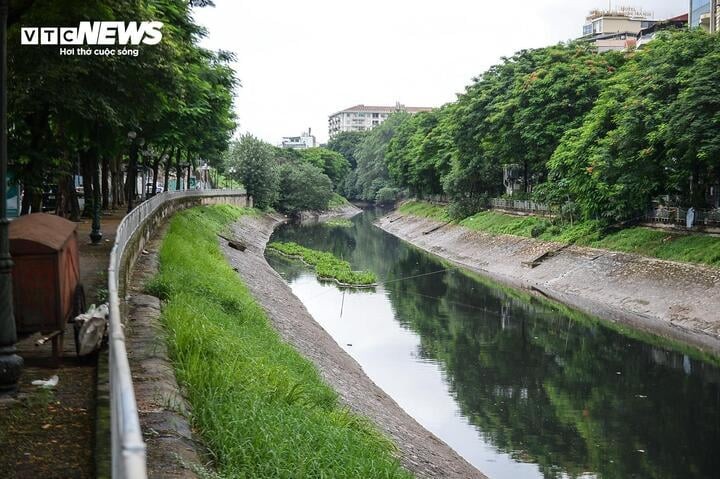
{"x": 518, "y": 387}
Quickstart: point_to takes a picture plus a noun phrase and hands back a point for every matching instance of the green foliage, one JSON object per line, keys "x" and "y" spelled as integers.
{"x": 418, "y": 156}
{"x": 175, "y": 95}
{"x": 333, "y": 164}
{"x": 624, "y": 153}
{"x": 254, "y": 165}
{"x": 339, "y": 223}
{"x": 337, "y": 201}
{"x": 346, "y": 143}
{"x": 387, "y": 195}
{"x": 372, "y": 174}
{"x": 327, "y": 266}
{"x": 262, "y": 409}
{"x": 303, "y": 187}
{"x": 426, "y": 210}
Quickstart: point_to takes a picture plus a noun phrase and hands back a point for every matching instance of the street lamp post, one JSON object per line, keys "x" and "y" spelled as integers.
{"x": 10, "y": 363}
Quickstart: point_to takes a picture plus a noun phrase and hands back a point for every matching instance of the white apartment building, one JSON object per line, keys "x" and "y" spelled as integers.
{"x": 306, "y": 140}
{"x": 363, "y": 117}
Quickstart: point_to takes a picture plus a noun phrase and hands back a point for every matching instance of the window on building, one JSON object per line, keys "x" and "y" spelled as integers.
{"x": 376, "y": 115}
{"x": 376, "y": 122}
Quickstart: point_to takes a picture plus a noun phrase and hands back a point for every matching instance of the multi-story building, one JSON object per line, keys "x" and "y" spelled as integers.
{"x": 362, "y": 117}
{"x": 705, "y": 14}
{"x": 306, "y": 140}
{"x": 616, "y": 29}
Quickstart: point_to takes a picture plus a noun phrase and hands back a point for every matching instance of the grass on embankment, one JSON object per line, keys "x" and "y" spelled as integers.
{"x": 326, "y": 265}
{"x": 691, "y": 248}
{"x": 337, "y": 201}
{"x": 262, "y": 409}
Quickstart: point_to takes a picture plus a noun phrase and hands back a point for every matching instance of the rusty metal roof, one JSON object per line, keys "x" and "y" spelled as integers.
{"x": 48, "y": 231}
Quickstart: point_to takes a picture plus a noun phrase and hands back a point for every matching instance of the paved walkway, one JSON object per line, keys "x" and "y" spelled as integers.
{"x": 51, "y": 433}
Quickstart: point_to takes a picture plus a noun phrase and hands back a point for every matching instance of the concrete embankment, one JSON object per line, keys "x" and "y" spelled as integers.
{"x": 420, "y": 451}
{"x": 674, "y": 300}
{"x": 347, "y": 210}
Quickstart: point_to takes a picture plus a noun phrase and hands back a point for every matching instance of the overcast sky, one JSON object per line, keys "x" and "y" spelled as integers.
{"x": 301, "y": 61}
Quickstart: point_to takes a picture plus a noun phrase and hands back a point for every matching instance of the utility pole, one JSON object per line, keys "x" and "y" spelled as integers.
{"x": 10, "y": 363}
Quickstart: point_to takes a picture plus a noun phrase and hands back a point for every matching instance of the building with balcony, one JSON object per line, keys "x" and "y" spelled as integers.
{"x": 306, "y": 140}
{"x": 616, "y": 29}
{"x": 363, "y": 117}
{"x": 704, "y": 14}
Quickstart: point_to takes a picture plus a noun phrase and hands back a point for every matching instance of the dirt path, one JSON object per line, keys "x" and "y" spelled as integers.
{"x": 420, "y": 451}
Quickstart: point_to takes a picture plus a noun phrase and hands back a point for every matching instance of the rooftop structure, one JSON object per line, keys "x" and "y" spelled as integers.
{"x": 306, "y": 140}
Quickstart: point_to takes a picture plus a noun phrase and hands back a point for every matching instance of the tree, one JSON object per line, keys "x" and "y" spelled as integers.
{"x": 371, "y": 173}
{"x": 332, "y": 163}
{"x": 346, "y": 143}
{"x": 620, "y": 157}
{"x": 303, "y": 186}
{"x": 254, "y": 163}
{"x": 692, "y": 134}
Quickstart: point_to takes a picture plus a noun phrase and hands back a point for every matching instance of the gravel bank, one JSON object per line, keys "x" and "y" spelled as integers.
{"x": 674, "y": 300}
{"x": 419, "y": 450}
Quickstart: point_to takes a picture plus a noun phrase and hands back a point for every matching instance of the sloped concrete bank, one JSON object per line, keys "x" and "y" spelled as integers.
{"x": 345, "y": 211}
{"x": 420, "y": 451}
{"x": 674, "y": 300}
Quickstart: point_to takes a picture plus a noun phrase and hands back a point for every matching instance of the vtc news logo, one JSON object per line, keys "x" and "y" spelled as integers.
{"x": 94, "y": 33}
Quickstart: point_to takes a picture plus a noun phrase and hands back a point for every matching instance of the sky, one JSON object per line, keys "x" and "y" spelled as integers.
{"x": 300, "y": 61}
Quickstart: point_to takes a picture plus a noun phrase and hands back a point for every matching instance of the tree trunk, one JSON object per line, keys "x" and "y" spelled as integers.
{"x": 131, "y": 179}
{"x": 168, "y": 166}
{"x": 178, "y": 171}
{"x": 104, "y": 182}
{"x": 67, "y": 202}
{"x": 27, "y": 198}
{"x": 36, "y": 203}
{"x": 119, "y": 181}
{"x": 113, "y": 183}
{"x": 86, "y": 161}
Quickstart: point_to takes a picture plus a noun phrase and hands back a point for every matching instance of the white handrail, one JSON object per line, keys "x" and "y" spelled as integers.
{"x": 128, "y": 447}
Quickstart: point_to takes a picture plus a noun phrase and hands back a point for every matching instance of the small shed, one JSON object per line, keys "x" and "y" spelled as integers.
{"x": 46, "y": 275}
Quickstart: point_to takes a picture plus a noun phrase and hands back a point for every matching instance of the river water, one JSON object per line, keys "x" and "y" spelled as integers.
{"x": 519, "y": 387}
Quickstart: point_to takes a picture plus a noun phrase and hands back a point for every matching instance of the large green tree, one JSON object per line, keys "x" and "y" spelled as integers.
{"x": 253, "y": 162}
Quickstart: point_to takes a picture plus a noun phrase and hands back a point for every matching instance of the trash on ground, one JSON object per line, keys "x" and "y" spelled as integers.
{"x": 92, "y": 329}
{"x": 46, "y": 383}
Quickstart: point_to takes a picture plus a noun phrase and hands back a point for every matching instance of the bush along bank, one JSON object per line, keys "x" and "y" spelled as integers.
{"x": 690, "y": 248}
{"x": 262, "y": 409}
{"x": 326, "y": 265}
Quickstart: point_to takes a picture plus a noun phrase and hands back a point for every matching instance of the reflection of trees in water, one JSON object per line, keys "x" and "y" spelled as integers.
{"x": 538, "y": 384}
{"x": 545, "y": 388}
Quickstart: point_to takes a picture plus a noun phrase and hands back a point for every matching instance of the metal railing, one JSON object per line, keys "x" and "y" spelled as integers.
{"x": 678, "y": 216}
{"x": 128, "y": 447}
{"x": 526, "y": 206}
